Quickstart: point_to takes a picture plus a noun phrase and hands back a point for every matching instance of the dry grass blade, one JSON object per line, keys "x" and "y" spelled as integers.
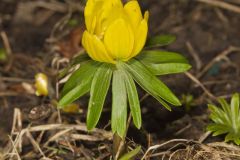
{"x": 194, "y": 151}
{"x": 48, "y": 127}
{"x": 194, "y": 79}
{"x": 161, "y": 145}
{"x": 219, "y": 57}
{"x": 223, "y": 5}
{"x": 86, "y": 137}
{"x": 35, "y": 144}
{"x": 14, "y": 149}
{"x": 195, "y": 56}
{"x": 6, "y": 43}
{"x": 56, "y": 136}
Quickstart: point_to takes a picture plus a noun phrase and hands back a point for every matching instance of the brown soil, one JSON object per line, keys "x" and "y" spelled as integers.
{"x": 38, "y": 34}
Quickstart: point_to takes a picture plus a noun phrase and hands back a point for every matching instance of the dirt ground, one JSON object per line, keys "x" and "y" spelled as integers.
{"x": 42, "y": 36}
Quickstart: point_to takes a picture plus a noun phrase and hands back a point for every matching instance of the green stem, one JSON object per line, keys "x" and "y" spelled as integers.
{"x": 119, "y": 146}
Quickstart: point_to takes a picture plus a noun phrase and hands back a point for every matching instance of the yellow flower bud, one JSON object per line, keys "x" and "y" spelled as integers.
{"x": 114, "y": 31}
{"x": 41, "y": 84}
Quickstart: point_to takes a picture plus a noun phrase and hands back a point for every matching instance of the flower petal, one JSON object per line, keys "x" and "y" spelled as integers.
{"x": 146, "y": 15}
{"x": 133, "y": 11}
{"x": 95, "y": 48}
{"x": 90, "y": 14}
{"x": 95, "y": 12}
{"x": 140, "y": 37}
{"x": 119, "y": 39}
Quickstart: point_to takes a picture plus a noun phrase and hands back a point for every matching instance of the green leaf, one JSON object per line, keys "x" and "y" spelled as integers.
{"x": 161, "y": 40}
{"x": 237, "y": 140}
{"x": 75, "y": 93}
{"x": 100, "y": 85}
{"x": 156, "y": 56}
{"x": 226, "y": 108}
{"x": 217, "y": 129}
{"x": 80, "y": 59}
{"x": 119, "y": 104}
{"x": 235, "y": 110}
{"x": 168, "y": 68}
{"x": 133, "y": 100}
{"x": 219, "y": 115}
{"x": 163, "y": 62}
{"x": 226, "y": 119}
{"x": 84, "y": 73}
{"x": 229, "y": 137}
{"x": 78, "y": 84}
{"x": 151, "y": 83}
{"x": 131, "y": 154}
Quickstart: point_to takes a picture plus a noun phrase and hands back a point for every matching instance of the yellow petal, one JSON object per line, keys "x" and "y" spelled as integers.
{"x": 85, "y": 42}
{"x": 119, "y": 39}
{"x": 95, "y": 12}
{"x": 41, "y": 84}
{"x": 133, "y": 11}
{"x": 90, "y": 15}
{"x": 146, "y": 15}
{"x": 95, "y": 48}
{"x": 140, "y": 37}
{"x": 109, "y": 14}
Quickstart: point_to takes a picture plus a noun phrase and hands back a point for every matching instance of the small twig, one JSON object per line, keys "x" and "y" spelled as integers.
{"x": 56, "y": 136}
{"x": 182, "y": 129}
{"x": 158, "y": 154}
{"x": 204, "y": 136}
{"x": 144, "y": 97}
{"x": 218, "y": 58}
{"x": 221, "y": 16}
{"x": 194, "y": 79}
{"x": 6, "y": 43}
{"x": 35, "y": 144}
{"x": 9, "y": 94}
{"x": 17, "y": 120}
{"x": 15, "y": 79}
{"x": 149, "y": 139}
{"x": 225, "y": 145}
{"x": 86, "y": 137}
{"x": 171, "y": 156}
{"x": 49, "y": 127}
{"x": 234, "y": 1}
{"x": 15, "y": 149}
{"x": 59, "y": 26}
{"x": 54, "y": 6}
{"x": 221, "y": 4}
{"x": 195, "y": 56}
{"x": 161, "y": 145}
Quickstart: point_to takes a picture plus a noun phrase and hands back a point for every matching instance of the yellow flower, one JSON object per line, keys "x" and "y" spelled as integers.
{"x": 114, "y": 31}
{"x": 41, "y": 84}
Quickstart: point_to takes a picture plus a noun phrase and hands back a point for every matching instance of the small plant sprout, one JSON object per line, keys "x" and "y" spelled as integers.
{"x": 188, "y": 101}
{"x": 41, "y": 84}
{"x": 3, "y": 55}
{"x": 226, "y": 120}
{"x": 114, "y": 39}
